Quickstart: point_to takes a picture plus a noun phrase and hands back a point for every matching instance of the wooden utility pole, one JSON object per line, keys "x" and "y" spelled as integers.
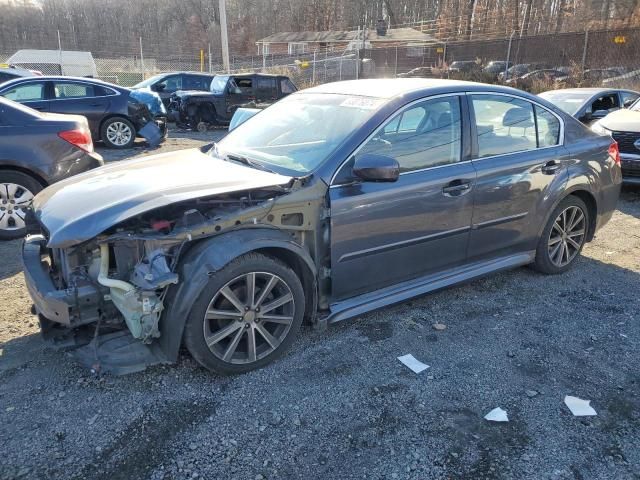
{"x": 224, "y": 35}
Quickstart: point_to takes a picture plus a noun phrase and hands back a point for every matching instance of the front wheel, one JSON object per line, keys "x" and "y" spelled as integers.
{"x": 247, "y": 316}
{"x": 563, "y": 237}
{"x": 118, "y": 132}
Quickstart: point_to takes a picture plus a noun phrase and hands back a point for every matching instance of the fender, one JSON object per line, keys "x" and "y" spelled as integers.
{"x": 209, "y": 256}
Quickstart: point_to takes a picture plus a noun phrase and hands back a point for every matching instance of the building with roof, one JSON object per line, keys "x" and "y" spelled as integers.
{"x": 305, "y": 42}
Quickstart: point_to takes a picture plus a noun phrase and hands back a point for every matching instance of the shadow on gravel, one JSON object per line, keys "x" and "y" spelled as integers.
{"x": 10, "y": 262}
{"x": 630, "y": 200}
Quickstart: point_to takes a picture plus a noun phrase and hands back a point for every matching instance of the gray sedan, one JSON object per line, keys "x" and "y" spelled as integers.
{"x": 332, "y": 202}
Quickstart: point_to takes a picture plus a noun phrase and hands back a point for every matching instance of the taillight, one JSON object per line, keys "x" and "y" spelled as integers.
{"x": 79, "y": 137}
{"x": 614, "y": 152}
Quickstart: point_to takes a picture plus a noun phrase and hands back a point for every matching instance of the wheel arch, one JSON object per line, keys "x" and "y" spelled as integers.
{"x": 15, "y": 168}
{"x": 208, "y": 256}
{"x": 587, "y": 197}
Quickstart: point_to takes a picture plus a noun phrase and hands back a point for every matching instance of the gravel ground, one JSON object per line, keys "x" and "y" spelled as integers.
{"x": 340, "y": 405}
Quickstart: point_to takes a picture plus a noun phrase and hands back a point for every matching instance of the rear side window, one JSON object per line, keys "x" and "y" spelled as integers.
{"x": 286, "y": 86}
{"x": 73, "y": 90}
{"x": 548, "y": 128}
{"x": 196, "y": 82}
{"x": 267, "y": 86}
{"x": 503, "y": 124}
{"x": 26, "y": 93}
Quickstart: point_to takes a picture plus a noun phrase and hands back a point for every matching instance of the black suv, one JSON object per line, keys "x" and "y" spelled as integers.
{"x": 167, "y": 84}
{"x": 227, "y": 93}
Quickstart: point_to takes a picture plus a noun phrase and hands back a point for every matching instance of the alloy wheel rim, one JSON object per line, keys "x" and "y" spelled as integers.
{"x": 119, "y": 133}
{"x": 14, "y": 199}
{"x": 249, "y": 317}
{"x": 567, "y": 236}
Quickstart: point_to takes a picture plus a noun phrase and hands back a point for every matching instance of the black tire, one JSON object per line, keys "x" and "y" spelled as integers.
{"x": 106, "y": 135}
{"x": 544, "y": 262}
{"x": 232, "y": 278}
{"x": 28, "y": 185}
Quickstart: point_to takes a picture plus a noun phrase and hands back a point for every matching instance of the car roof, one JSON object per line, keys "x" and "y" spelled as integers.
{"x": 392, "y": 87}
{"x": 587, "y": 90}
{"x": 62, "y": 77}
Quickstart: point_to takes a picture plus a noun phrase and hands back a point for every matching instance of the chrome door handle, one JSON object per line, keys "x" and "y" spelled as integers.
{"x": 456, "y": 188}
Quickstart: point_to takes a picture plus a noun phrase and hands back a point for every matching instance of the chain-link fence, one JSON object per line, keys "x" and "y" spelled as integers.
{"x": 585, "y": 58}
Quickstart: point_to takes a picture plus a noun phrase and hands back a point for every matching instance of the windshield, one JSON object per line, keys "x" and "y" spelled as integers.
{"x": 148, "y": 82}
{"x": 218, "y": 84}
{"x": 297, "y": 134}
{"x": 569, "y": 102}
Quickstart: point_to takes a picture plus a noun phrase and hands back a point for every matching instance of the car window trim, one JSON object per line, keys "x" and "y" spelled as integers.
{"x": 474, "y": 132}
{"x": 45, "y": 84}
{"x": 81, "y": 82}
{"x": 463, "y": 112}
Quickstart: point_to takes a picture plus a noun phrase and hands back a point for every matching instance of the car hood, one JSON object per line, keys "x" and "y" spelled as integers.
{"x": 81, "y": 207}
{"x": 622, "y": 120}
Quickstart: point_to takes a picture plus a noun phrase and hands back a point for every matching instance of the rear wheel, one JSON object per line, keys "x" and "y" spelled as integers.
{"x": 17, "y": 189}
{"x": 118, "y": 132}
{"x": 563, "y": 237}
{"x": 247, "y": 316}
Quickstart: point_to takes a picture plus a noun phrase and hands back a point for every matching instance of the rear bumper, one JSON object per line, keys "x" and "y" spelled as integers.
{"x": 630, "y": 168}
{"x": 61, "y": 306}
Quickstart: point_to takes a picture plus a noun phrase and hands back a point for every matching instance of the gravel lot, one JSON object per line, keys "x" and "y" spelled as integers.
{"x": 340, "y": 405}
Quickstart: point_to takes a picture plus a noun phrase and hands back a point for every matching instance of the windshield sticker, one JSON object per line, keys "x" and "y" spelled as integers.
{"x": 366, "y": 103}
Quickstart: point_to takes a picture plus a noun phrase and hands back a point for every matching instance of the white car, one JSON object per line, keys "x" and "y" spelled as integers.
{"x": 624, "y": 126}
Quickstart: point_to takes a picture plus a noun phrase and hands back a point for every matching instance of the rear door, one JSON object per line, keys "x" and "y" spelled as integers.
{"x": 521, "y": 166}
{"x": 81, "y": 98}
{"x": 32, "y": 93}
{"x": 386, "y": 233}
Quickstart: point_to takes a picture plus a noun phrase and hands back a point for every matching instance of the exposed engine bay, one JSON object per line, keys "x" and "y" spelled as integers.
{"x": 120, "y": 279}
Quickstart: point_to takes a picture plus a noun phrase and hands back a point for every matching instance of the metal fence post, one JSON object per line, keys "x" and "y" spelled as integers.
{"x": 506, "y": 66}
{"x": 141, "y": 59}
{"x": 313, "y": 76}
{"x": 340, "y": 67}
{"x": 210, "y": 69}
{"x": 395, "y": 68}
{"x": 584, "y": 50}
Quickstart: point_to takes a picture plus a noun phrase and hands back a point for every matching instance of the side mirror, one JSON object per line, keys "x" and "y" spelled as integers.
{"x": 376, "y": 168}
{"x": 158, "y": 87}
{"x": 600, "y": 113}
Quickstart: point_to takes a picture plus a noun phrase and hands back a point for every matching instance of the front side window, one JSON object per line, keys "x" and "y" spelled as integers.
{"x": 606, "y": 103}
{"x": 503, "y": 124}
{"x": 425, "y": 135}
{"x": 628, "y": 98}
{"x": 242, "y": 86}
{"x": 173, "y": 83}
{"x": 73, "y": 90}
{"x": 26, "y": 93}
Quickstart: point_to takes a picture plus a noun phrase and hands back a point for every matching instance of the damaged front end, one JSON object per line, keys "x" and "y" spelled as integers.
{"x": 107, "y": 294}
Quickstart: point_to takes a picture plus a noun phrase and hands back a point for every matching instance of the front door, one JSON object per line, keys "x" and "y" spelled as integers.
{"x": 32, "y": 93}
{"x": 385, "y": 233}
{"x": 522, "y": 167}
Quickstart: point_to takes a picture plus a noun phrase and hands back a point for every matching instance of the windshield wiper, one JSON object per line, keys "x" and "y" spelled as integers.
{"x": 249, "y": 162}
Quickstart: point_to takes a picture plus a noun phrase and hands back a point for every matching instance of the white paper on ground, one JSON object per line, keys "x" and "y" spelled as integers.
{"x": 579, "y": 407}
{"x": 497, "y": 415}
{"x": 415, "y": 365}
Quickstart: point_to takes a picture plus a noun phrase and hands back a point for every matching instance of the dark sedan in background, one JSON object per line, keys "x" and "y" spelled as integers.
{"x": 590, "y": 104}
{"x": 330, "y": 203}
{"x": 10, "y": 73}
{"x": 37, "y": 150}
{"x": 116, "y": 115}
